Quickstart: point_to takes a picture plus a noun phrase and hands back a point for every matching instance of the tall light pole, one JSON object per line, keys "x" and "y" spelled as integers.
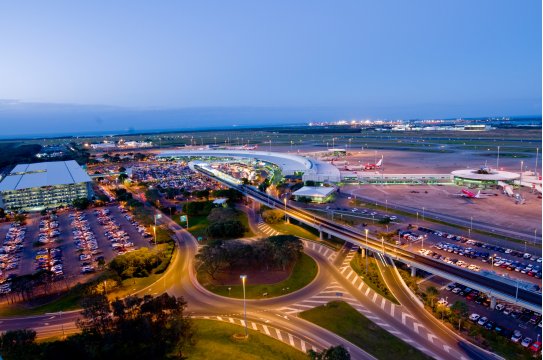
{"x": 423, "y": 213}
{"x": 243, "y": 278}
{"x": 535, "y": 236}
{"x": 383, "y": 244}
{"x": 366, "y": 231}
{"x": 498, "y": 160}
{"x": 386, "y": 206}
{"x": 286, "y": 216}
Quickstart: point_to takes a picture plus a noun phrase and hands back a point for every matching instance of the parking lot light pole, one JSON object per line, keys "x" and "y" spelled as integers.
{"x": 423, "y": 213}
{"x": 154, "y": 233}
{"x": 286, "y": 216}
{"x": 366, "y": 231}
{"x": 243, "y": 278}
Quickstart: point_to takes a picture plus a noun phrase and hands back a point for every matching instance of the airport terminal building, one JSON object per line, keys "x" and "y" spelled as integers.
{"x": 33, "y": 187}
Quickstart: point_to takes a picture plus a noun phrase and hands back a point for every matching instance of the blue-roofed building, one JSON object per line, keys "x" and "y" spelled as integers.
{"x": 32, "y": 187}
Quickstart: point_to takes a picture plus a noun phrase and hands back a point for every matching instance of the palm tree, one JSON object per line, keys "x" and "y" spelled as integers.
{"x": 431, "y": 294}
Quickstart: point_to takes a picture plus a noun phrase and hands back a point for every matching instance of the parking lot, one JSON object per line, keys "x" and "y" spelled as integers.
{"x": 478, "y": 256}
{"x": 505, "y": 319}
{"x": 72, "y": 245}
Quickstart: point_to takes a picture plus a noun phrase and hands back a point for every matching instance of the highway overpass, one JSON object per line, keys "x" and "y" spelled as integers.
{"x": 504, "y": 290}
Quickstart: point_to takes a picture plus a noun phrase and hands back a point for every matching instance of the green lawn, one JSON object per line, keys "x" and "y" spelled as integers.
{"x": 214, "y": 342}
{"x": 373, "y": 279}
{"x": 198, "y": 225}
{"x": 340, "y": 318}
{"x": 303, "y": 273}
{"x": 301, "y": 232}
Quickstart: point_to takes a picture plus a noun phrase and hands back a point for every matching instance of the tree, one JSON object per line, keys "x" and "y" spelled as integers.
{"x": 81, "y": 203}
{"x": 2, "y": 213}
{"x": 460, "y": 309}
{"x": 212, "y": 258}
{"x": 309, "y": 183}
{"x": 122, "y": 169}
{"x": 286, "y": 249}
{"x": 18, "y": 344}
{"x": 332, "y": 353}
{"x": 122, "y": 177}
{"x": 273, "y": 216}
{"x": 431, "y": 294}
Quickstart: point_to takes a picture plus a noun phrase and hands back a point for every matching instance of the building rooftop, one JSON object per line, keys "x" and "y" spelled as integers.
{"x": 24, "y": 176}
{"x": 491, "y": 175}
{"x": 314, "y": 191}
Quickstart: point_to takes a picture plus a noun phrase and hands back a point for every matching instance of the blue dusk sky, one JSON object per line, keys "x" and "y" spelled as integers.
{"x": 83, "y": 65}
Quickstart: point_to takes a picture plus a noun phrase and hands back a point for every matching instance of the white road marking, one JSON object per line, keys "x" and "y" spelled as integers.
{"x": 266, "y": 330}
{"x": 279, "y": 336}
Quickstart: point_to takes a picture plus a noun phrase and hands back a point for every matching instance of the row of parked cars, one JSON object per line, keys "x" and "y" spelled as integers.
{"x": 51, "y": 260}
{"x": 528, "y": 265}
{"x": 48, "y": 229}
{"x": 120, "y": 240}
{"x": 515, "y": 336}
{"x": 9, "y": 255}
{"x": 85, "y": 242}
{"x": 449, "y": 260}
{"x": 141, "y": 229}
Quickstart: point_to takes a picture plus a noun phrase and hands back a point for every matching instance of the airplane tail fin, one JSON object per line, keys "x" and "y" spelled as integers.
{"x": 379, "y": 163}
{"x": 478, "y": 194}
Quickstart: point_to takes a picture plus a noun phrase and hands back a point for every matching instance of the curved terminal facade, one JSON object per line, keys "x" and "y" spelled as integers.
{"x": 309, "y": 168}
{"x": 483, "y": 177}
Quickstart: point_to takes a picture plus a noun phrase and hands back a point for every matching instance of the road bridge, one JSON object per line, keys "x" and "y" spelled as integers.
{"x": 496, "y": 289}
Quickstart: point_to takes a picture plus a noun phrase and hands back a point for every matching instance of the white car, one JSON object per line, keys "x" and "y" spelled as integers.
{"x": 442, "y": 302}
{"x": 482, "y": 321}
{"x": 526, "y": 342}
{"x": 474, "y": 317}
{"x": 456, "y": 290}
{"x": 500, "y": 307}
{"x": 516, "y": 336}
{"x": 393, "y": 217}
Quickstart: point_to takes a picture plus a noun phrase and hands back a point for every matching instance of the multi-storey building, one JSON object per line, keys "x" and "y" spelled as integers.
{"x": 31, "y": 187}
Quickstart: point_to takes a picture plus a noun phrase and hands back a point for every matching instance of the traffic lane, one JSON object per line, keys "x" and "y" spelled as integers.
{"x": 428, "y": 320}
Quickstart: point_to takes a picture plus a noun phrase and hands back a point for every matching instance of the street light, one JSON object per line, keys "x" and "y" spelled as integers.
{"x": 286, "y": 216}
{"x": 493, "y": 256}
{"x": 154, "y": 233}
{"x": 243, "y": 278}
{"x": 383, "y": 244}
{"x": 423, "y": 213}
{"x": 386, "y": 206}
{"x": 366, "y": 231}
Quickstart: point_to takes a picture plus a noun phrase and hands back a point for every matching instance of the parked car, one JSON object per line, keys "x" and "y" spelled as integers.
{"x": 526, "y": 342}
{"x": 516, "y": 337}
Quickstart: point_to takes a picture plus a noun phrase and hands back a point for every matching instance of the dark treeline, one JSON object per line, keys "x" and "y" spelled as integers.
{"x": 133, "y": 328}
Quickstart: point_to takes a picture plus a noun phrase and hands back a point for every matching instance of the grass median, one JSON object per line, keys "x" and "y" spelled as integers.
{"x": 343, "y": 320}
{"x": 303, "y": 272}
{"x": 215, "y": 342}
{"x": 373, "y": 277}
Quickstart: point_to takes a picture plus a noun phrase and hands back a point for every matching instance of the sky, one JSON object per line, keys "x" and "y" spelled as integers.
{"x": 125, "y": 64}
